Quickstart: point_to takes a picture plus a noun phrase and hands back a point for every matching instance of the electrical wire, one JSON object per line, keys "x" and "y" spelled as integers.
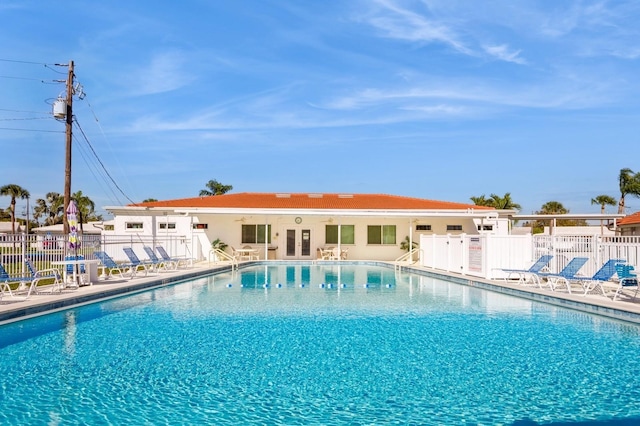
{"x": 100, "y": 161}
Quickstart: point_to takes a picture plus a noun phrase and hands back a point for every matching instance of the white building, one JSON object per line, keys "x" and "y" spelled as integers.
{"x": 294, "y": 225}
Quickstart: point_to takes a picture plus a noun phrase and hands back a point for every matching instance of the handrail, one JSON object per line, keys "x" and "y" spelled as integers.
{"x": 226, "y": 257}
{"x": 406, "y": 258}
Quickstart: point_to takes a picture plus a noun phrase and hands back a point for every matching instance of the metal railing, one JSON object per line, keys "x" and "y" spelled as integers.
{"x": 222, "y": 256}
{"x": 44, "y": 249}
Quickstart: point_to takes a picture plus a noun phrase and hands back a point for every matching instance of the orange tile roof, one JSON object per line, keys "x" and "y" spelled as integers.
{"x": 259, "y": 200}
{"x": 632, "y": 219}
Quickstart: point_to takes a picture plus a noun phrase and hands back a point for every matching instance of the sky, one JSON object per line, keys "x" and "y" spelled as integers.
{"x": 435, "y": 99}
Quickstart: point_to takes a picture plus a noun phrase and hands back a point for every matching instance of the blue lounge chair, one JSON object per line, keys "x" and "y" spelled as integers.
{"x": 601, "y": 277}
{"x": 136, "y": 263}
{"x": 177, "y": 261}
{"x": 532, "y": 272}
{"x": 566, "y": 276}
{"x": 23, "y": 291}
{"x": 626, "y": 279}
{"x": 108, "y": 264}
{"x": 156, "y": 263}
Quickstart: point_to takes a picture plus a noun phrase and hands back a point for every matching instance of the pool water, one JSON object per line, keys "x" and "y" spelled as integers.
{"x": 307, "y": 344}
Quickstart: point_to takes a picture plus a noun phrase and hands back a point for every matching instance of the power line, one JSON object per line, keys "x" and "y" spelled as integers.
{"x": 31, "y": 130}
{"x": 101, "y": 163}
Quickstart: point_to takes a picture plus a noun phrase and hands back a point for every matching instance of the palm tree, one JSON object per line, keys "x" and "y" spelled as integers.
{"x": 215, "y": 188}
{"x": 504, "y": 203}
{"x": 603, "y": 200}
{"x": 50, "y": 207}
{"x": 14, "y": 191}
{"x": 86, "y": 207}
{"x": 41, "y": 209}
{"x": 480, "y": 201}
{"x": 629, "y": 183}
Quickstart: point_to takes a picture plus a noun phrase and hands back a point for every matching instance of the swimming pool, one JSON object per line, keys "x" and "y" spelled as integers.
{"x": 307, "y": 344}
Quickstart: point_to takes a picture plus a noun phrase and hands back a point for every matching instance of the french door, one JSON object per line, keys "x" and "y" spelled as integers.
{"x": 298, "y": 243}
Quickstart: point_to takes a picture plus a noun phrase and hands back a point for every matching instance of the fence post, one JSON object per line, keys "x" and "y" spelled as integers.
{"x": 24, "y": 254}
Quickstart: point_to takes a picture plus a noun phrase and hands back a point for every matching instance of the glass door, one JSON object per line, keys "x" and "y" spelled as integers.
{"x": 298, "y": 243}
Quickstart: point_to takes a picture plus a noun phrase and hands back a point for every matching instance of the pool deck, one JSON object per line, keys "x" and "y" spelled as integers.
{"x": 624, "y": 309}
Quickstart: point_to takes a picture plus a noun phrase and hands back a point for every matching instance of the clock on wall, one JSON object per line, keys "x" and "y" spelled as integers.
{"x": 298, "y": 220}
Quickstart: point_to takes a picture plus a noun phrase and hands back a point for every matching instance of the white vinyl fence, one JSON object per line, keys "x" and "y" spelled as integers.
{"x": 46, "y": 249}
{"x": 485, "y": 255}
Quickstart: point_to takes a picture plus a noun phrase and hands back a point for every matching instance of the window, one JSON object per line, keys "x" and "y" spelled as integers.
{"x": 381, "y": 234}
{"x": 109, "y": 228}
{"x": 200, "y": 226}
{"x": 454, "y": 227}
{"x": 485, "y": 227}
{"x": 347, "y": 234}
{"x": 133, "y": 225}
{"x": 167, "y": 226}
{"x": 255, "y": 234}
{"x": 423, "y": 227}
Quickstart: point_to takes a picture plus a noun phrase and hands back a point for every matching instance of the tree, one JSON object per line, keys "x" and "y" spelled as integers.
{"x": 14, "y": 191}
{"x": 51, "y": 208}
{"x": 629, "y": 183}
{"x": 504, "y": 203}
{"x": 555, "y": 208}
{"x": 215, "y": 188}
{"x": 603, "y": 200}
{"x": 496, "y": 201}
{"x": 481, "y": 201}
{"x": 149, "y": 200}
{"x": 86, "y": 207}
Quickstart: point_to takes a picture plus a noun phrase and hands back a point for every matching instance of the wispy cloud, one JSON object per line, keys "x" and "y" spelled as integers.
{"x": 165, "y": 72}
{"x": 503, "y": 53}
{"x": 395, "y": 21}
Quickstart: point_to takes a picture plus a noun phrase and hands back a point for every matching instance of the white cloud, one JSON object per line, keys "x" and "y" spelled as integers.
{"x": 502, "y": 52}
{"x": 397, "y": 22}
{"x": 164, "y": 73}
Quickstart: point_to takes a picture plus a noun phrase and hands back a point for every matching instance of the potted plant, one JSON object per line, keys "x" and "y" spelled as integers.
{"x": 404, "y": 244}
{"x": 218, "y": 244}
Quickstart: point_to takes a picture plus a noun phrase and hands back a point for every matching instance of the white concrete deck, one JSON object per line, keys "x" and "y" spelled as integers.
{"x": 624, "y": 309}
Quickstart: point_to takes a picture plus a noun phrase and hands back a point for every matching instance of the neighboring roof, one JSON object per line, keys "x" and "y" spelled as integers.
{"x": 87, "y": 228}
{"x": 5, "y": 227}
{"x": 632, "y": 219}
{"x": 253, "y": 200}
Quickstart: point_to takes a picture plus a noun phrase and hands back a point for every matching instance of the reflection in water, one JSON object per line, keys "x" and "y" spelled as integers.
{"x": 70, "y": 333}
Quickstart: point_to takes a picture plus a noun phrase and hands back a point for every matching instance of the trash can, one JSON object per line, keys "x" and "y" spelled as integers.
{"x": 271, "y": 255}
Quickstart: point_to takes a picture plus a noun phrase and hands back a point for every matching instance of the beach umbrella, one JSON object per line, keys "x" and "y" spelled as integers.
{"x": 72, "y": 219}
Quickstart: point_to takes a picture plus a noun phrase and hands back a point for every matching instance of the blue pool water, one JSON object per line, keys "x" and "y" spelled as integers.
{"x": 319, "y": 345}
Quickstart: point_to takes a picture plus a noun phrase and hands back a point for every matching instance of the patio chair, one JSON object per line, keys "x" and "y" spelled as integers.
{"x": 335, "y": 254}
{"x": 602, "y": 277}
{"x": 567, "y": 276}
{"x": 323, "y": 254}
{"x": 136, "y": 263}
{"x": 251, "y": 255}
{"x": 178, "y": 261}
{"x": 22, "y": 291}
{"x": 156, "y": 263}
{"x": 532, "y": 272}
{"x": 626, "y": 279}
{"x": 113, "y": 268}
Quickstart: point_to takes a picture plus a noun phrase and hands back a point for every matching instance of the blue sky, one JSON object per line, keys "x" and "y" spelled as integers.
{"x": 437, "y": 99}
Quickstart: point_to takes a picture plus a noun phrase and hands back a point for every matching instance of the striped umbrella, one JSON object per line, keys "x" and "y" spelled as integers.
{"x": 72, "y": 219}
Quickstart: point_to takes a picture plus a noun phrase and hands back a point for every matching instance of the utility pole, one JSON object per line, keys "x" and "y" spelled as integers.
{"x": 67, "y": 167}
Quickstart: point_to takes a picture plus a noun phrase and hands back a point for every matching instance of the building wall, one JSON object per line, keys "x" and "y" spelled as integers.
{"x": 202, "y": 229}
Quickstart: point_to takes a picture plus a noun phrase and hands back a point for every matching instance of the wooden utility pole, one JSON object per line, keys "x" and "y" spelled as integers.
{"x": 67, "y": 167}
